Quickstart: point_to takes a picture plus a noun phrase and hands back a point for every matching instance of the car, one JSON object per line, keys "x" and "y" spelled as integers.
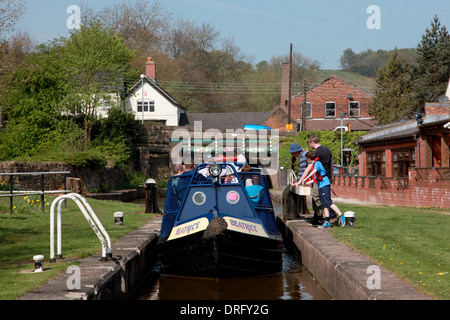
{"x": 338, "y": 170}
{"x": 345, "y": 128}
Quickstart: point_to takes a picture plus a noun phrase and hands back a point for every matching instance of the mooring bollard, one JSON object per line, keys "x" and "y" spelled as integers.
{"x": 151, "y": 203}
{"x": 349, "y": 218}
{"x": 38, "y": 263}
{"x": 118, "y": 218}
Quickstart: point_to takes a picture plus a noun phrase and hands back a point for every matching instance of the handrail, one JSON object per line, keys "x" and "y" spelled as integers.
{"x": 291, "y": 177}
{"x": 89, "y": 215}
{"x": 41, "y": 192}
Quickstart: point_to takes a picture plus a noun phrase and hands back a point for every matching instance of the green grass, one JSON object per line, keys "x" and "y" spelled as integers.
{"x": 25, "y": 233}
{"x": 413, "y": 243}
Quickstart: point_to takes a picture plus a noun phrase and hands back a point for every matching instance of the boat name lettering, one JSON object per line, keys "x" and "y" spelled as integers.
{"x": 188, "y": 229}
{"x": 245, "y": 226}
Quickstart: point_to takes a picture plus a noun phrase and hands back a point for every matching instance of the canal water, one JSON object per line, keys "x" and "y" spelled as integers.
{"x": 294, "y": 282}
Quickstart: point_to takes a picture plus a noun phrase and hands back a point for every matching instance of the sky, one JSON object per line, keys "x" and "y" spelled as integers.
{"x": 320, "y": 30}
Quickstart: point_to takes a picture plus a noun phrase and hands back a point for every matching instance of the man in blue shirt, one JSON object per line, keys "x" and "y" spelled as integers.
{"x": 318, "y": 174}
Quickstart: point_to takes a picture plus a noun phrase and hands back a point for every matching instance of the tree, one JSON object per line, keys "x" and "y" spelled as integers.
{"x": 432, "y": 72}
{"x": 392, "y": 100}
{"x": 95, "y": 62}
{"x": 30, "y": 95}
{"x": 10, "y": 12}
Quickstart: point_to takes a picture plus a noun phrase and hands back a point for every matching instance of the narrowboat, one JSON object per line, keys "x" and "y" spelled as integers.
{"x": 219, "y": 222}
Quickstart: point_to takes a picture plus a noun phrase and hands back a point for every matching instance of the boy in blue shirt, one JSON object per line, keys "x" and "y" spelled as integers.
{"x": 317, "y": 174}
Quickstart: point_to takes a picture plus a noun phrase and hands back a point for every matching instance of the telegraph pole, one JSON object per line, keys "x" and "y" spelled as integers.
{"x": 304, "y": 107}
{"x": 289, "y": 125}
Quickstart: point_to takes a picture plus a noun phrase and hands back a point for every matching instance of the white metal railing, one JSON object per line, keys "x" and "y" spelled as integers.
{"x": 90, "y": 216}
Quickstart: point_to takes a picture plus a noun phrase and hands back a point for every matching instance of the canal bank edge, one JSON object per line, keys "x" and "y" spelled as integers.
{"x": 134, "y": 256}
{"x": 340, "y": 270}
{"x": 344, "y": 273}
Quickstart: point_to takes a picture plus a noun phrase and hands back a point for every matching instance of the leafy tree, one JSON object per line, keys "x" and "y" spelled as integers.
{"x": 431, "y": 74}
{"x": 392, "y": 100}
{"x": 29, "y": 99}
{"x": 95, "y": 61}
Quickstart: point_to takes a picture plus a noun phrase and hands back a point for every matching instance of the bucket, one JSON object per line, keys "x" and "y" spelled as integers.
{"x": 349, "y": 218}
{"x": 118, "y": 218}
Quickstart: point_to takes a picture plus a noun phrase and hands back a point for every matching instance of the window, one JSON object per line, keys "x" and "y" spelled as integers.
{"x": 376, "y": 164}
{"x": 353, "y": 109}
{"x": 149, "y": 106}
{"x": 403, "y": 159}
{"x": 307, "y": 111}
{"x": 330, "y": 109}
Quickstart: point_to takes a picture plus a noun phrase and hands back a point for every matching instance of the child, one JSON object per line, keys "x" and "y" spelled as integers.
{"x": 318, "y": 174}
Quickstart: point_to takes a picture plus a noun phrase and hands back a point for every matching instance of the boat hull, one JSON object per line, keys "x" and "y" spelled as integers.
{"x": 220, "y": 255}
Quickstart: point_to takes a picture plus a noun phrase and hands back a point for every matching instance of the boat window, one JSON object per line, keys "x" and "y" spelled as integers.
{"x": 199, "y": 201}
{"x": 232, "y": 197}
{"x": 233, "y": 206}
{"x": 199, "y": 198}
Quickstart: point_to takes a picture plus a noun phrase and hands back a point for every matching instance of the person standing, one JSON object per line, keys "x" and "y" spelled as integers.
{"x": 298, "y": 155}
{"x": 293, "y": 201}
{"x": 326, "y": 158}
{"x": 318, "y": 175}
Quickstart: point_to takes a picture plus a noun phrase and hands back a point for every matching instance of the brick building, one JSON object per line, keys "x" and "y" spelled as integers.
{"x": 326, "y": 102}
{"x": 403, "y": 163}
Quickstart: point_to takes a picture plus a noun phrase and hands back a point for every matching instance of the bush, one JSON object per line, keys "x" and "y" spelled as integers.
{"x": 330, "y": 139}
{"x": 87, "y": 159}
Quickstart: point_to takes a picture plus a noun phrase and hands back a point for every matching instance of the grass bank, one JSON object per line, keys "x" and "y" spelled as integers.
{"x": 25, "y": 233}
{"x": 411, "y": 242}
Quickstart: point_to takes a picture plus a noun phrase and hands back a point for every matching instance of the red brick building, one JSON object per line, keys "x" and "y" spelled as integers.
{"x": 403, "y": 163}
{"x": 326, "y": 103}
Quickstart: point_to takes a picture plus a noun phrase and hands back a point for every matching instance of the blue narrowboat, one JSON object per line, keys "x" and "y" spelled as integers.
{"x": 219, "y": 222}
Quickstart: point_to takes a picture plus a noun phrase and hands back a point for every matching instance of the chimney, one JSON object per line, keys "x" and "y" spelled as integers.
{"x": 284, "y": 84}
{"x": 150, "y": 68}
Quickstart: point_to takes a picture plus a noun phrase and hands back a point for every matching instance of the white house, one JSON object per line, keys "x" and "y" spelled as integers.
{"x": 150, "y": 102}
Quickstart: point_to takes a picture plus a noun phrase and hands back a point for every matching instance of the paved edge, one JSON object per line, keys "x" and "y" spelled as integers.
{"x": 344, "y": 273}
{"x": 134, "y": 256}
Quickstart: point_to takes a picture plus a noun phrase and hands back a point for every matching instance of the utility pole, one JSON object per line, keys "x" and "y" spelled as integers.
{"x": 304, "y": 107}
{"x": 289, "y": 125}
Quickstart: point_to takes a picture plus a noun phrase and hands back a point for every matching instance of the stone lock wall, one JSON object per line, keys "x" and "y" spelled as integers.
{"x": 89, "y": 179}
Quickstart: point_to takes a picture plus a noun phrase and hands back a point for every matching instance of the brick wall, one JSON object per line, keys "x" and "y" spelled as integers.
{"x": 333, "y": 89}
{"x": 425, "y": 187}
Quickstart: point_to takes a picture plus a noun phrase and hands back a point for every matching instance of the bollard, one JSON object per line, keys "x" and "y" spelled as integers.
{"x": 349, "y": 218}
{"x": 38, "y": 263}
{"x": 151, "y": 203}
{"x": 118, "y": 218}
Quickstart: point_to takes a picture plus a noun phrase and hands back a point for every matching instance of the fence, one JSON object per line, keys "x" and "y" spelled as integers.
{"x": 11, "y": 193}
{"x": 423, "y": 187}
